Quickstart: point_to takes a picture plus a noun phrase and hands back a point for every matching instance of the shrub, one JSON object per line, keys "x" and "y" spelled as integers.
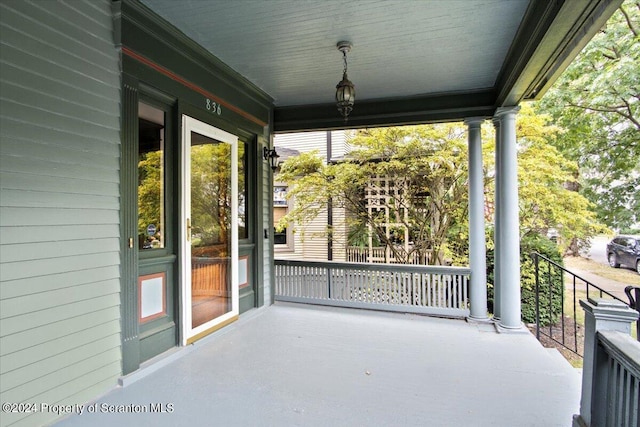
{"x": 550, "y": 307}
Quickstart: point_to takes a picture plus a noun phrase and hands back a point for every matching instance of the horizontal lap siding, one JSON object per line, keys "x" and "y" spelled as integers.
{"x": 303, "y": 142}
{"x": 59, "y": 204}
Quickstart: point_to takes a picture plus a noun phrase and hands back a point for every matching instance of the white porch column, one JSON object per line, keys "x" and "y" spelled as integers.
{"x": 508, "y": 219}
{"x": 496, "y": 222}
{"x": 477, "y": 241}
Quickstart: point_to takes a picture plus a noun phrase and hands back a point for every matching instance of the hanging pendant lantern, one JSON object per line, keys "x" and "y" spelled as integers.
{"x": 345, "y": 90}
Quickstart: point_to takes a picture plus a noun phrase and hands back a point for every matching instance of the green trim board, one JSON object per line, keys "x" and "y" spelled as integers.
{"x": 550, "y": 37}
{"x": 128, "y": 227}
{"x": 215, "y": 102}
{"x": 149, "y": 35}
{"x": 387, "y": 112}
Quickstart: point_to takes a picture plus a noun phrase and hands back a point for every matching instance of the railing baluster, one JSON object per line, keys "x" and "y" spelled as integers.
{"x": 562, "y": 304}
{"x": 550, "y": 307}
{"x": 575, "y": 314}
{"x": 634, "y": 402}
{"x": 626, "y": 393}
{"x": 536, "y": 261}
{"x": 454, "y": 284}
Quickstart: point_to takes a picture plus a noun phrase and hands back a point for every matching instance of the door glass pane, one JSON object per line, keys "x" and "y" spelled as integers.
{"x": 243, "y": 232}
{"x": 151, "y": 124}
{"x": 210, "y": 229}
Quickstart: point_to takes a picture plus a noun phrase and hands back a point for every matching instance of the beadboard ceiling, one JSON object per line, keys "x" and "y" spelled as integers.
{"x": 508, "y": 50}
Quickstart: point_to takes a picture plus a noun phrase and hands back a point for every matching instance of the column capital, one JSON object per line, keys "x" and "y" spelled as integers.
{"x": 474, "y": 121}
{"x": 504, "y": 111}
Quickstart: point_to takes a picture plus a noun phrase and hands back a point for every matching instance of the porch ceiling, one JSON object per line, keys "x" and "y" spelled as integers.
{"x": 412, "y": 60}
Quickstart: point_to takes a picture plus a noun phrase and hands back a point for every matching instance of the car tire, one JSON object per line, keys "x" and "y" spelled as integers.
{"x": 612, "y": 260}
{"x": 638, "y": 266}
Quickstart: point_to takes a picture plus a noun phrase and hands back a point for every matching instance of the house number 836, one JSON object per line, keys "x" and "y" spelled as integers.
{"x": 213, "y": 107}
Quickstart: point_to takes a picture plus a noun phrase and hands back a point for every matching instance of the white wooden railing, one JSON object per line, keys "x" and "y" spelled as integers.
{"x": 435, "y": 290}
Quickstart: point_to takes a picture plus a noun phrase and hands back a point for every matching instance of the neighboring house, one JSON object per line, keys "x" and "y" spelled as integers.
{"x": 309, "y": 241}
{"x": 136, "y": 206}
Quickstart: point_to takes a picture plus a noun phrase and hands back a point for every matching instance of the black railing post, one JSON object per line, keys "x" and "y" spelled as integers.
{"x": 575, "y": 316}
{"x": 550, "y": 308}
{"x": 537, "y": 264}
{"x": 634, "y": 303}
{"x": 561, "y": 278}
{"x": 329, "y": 282}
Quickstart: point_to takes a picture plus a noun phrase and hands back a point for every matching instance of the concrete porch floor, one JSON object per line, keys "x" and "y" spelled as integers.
{"x": 299, "y": 365}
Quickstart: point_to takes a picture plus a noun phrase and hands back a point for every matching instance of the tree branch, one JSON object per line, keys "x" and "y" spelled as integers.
{"x": 629, "y": 21}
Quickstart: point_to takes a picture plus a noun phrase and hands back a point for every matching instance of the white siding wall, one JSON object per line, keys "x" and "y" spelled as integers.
{"x": 59, "y": 204}
{"x": 303, "y": 142}
{"x": 339, "y": 146}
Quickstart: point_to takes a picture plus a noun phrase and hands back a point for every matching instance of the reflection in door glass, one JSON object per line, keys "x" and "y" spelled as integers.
{"x": 243, "y": 232}
{"x": 150, "y": 177}
{"x": 210, "y": 229}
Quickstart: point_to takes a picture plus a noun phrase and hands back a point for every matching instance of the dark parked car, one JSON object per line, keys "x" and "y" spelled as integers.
{"x": 624, "y": 250}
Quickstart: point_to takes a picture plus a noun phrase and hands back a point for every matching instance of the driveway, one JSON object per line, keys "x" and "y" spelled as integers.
{"x": 597, "y": 253}
{"x": 598, "y": 249}
{"x": 614, "y": 287}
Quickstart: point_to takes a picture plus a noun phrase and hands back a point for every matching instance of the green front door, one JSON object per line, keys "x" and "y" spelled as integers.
{"x": 189, "y": 252}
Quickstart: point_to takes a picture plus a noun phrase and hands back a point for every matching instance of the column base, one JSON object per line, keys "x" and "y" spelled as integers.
{"x": 522, "y": 329}
{"x": 478, "y": 320}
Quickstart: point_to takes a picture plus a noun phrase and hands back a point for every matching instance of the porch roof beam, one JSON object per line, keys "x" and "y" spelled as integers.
{"x": 387, "y": 112}
{"x": 550, "y": 37}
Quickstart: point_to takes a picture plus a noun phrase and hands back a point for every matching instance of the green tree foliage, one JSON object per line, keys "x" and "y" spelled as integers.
{"x": 150, "y": 194}
{"x": 211, "y": 198}
{"x": 597, "y": 103}
{"x": 550, "y": 283}
{"x": 430, "y": 163}
{"x": 547, "y": 180}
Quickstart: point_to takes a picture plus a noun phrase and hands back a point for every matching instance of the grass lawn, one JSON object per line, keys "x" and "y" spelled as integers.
{"x": 623, "y": 275}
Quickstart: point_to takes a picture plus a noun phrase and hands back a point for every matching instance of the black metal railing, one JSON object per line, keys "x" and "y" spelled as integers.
{"x": 558, "y": 291}
{"x": 633, "y": 293}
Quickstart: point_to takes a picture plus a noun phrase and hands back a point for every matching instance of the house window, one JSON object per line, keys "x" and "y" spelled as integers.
{"x": 283, "y": 240}
{"x": 280, "y": 195}
{"x": 151, "y": 178}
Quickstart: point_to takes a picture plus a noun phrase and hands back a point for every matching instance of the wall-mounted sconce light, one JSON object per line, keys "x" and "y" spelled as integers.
{"x": 345, "y": 90}
{"x": 271, "y": 156}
